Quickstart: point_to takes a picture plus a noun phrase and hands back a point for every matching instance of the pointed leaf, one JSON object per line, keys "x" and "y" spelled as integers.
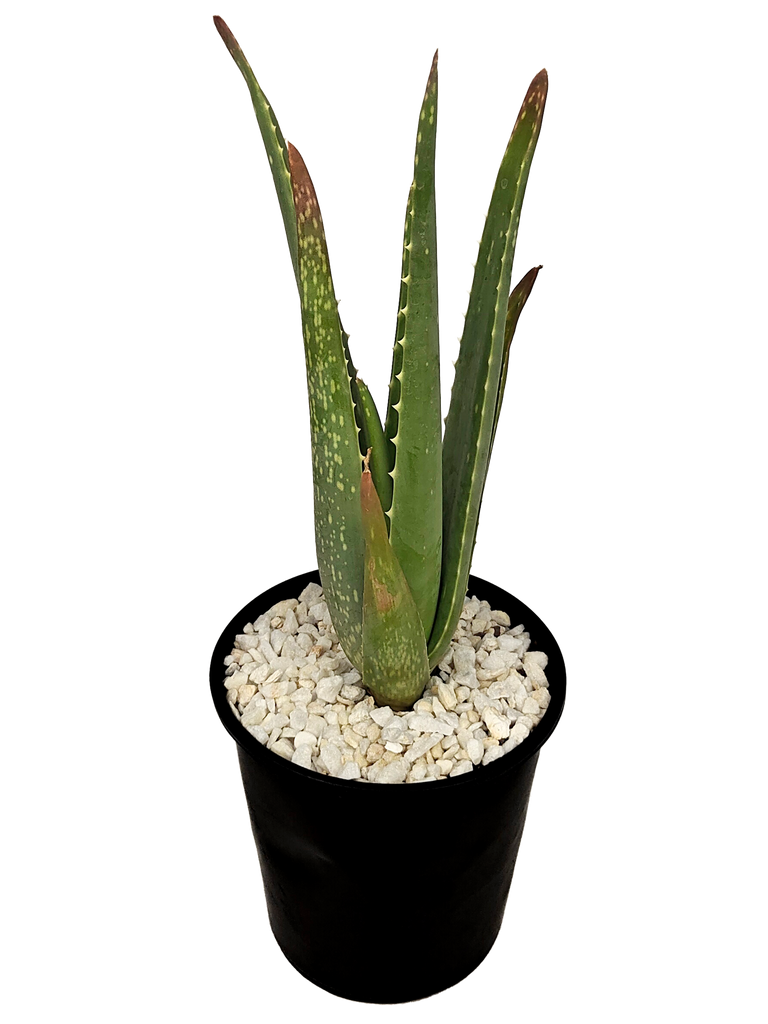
{"x": 274, "y": 143}
{"x": 413, "y": 426}
{"x": 472, "y": 412}
{"x": 522, "y": 293}
{"x": 336, "y": 455}
{"x": 395, "y": 665}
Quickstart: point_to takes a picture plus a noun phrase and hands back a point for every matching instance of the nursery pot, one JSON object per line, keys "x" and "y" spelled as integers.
{"x": 356, "y": 873}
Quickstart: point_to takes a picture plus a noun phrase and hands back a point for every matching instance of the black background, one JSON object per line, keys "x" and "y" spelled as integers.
{"x": 351, "y": 105}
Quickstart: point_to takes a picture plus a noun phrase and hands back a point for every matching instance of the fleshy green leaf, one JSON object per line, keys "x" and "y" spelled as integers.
{"x": 335, "y": 447}
{"x": 274, "y": 143}
{"x": 395, "y": 665}
{"x": 522, "y": 293}
{"x": 413, "y": 426}
{"x": 472, "y": 413}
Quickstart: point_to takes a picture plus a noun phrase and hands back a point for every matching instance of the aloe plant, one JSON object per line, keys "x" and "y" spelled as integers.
{"x": 396, "y": 503}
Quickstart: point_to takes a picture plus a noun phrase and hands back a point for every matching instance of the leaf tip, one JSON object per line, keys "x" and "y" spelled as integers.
{"x": 537, "y": 90}
{"x": 304, "y": 196}
{"x": 220, "y": 24}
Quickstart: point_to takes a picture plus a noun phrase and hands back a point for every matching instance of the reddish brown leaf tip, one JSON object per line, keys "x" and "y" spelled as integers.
{"x": 432, "y": 73}
{"x": 530, "y": 272}
{"x": 233, "y": 46}
{"x": 221, "y": 25}
{"x": 304, "y": 196}
{"x": 535, "y": 98}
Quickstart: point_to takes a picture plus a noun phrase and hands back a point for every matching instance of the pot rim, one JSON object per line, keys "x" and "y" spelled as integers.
{"x": 541, "y": 639}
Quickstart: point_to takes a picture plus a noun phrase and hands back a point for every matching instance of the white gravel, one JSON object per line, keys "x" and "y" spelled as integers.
{"x": 291, "y": 686}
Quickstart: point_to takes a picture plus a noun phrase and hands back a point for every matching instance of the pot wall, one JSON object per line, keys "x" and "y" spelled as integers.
{"x": 433, "y": 859}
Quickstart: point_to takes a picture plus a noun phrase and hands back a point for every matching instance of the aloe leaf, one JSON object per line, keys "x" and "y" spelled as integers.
{"x": 413, "y": 426}
{"x": 472, "y": 412}
{"x": 521, "y": 294}
{"x": 372, "y": 437}
{"x": 274, "y": 143}
{"x": 335, "y": 447}
{"x": 395, "y": 665}
{"x": 367, "y": 415}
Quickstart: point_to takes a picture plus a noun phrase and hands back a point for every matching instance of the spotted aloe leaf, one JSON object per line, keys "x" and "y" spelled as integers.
{"x": 274, "y": 143}
{"x": 471, "y": 416}
{"x": 343, "y": 418}
{"x": 413, "y": 425}
{"x": 336, "y": 457}
{"x": 395, "y": 664}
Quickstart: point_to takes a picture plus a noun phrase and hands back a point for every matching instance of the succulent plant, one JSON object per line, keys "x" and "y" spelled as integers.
{"x": 396, "y": 503}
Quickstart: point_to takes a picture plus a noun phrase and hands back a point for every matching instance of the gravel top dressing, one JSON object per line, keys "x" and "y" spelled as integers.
{"x": 291, "y": 686}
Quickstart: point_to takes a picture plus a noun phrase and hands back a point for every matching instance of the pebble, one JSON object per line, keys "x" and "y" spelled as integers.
{"x": 475, "y": 750}
{"x": 447, "y": 696}
{"x": 331, "y": 758}
{"x": 382, "y": 716}
{"x": 302, "y": 756}
{"x": 328, "y": 689}
{"x": 293, "y": 689}
{"x": 497, "y": 725}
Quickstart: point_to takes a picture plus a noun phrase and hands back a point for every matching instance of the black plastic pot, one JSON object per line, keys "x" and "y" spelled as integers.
{"x": 334, "y": 851}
